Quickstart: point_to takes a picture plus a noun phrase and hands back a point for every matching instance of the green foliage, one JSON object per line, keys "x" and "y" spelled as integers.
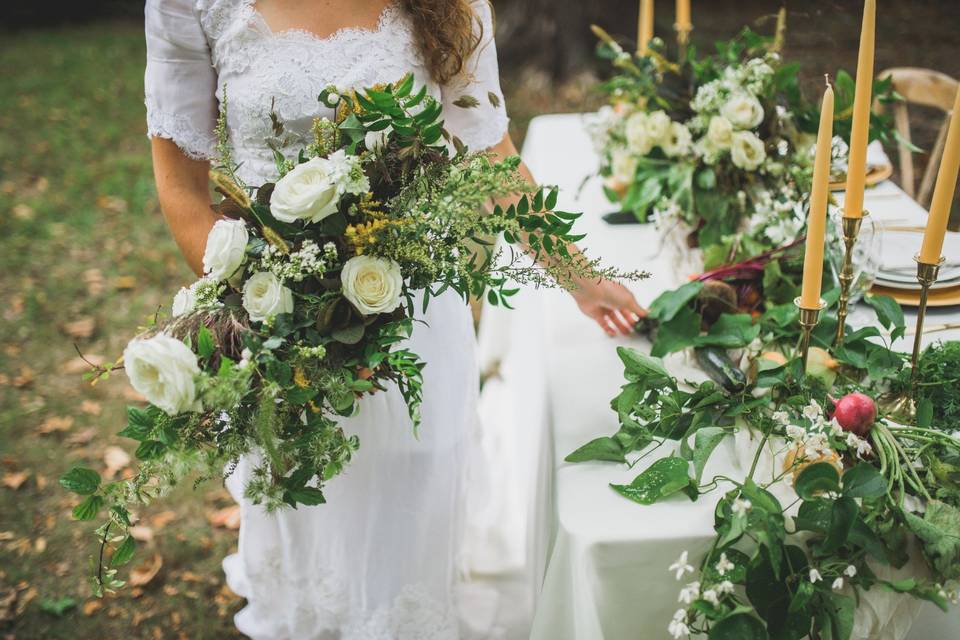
{"x": 939, "y": 377}
{"x": 662, "y": 479}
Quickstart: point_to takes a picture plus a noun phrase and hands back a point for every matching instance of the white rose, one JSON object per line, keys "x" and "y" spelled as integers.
{"x": 623, "y": 166}
{"x": 373, "y": 285}
{"x": 719, "y": 132}
{"x": 163, "y": 369}
{"x": 638, "y": 138}
{"x": 226, "y": 248}
{"x": 184, "y": 302}
{"x": 308, "y": 192}
{"x": 264, "y": 296}
{"x": 376, "y": 140}
{"x": 658, "y": 126}
{"x": 678, "y": 140}
{"x": 743, "y": 111}
{"x": 747, "y": 150}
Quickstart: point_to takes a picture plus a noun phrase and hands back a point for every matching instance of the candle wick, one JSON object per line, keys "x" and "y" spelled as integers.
{"x": 826, "y": 79}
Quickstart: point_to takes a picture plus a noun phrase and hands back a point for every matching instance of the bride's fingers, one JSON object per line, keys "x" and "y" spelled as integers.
{"x": 618, "y": 321}
{"x": 604, "y": 323}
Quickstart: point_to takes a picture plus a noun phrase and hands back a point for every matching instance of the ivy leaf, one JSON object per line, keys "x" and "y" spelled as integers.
{"x": 843, "y": 515}
{"x": 605, "y": 448}
{"x": 80, "y": 480}
{"x": 730, "y": 331}
{"x": 704, "y": 443}
{"x": 669, "y": 303}
{"x": 889, "y": 313}
{"x": 817, "y": 478}
{"x": 840, "y": 610}
{"x": 662, "y": 479}
{"x": 864, "y": 481}
{"x": 642, "y": 366}
{"x": 678, "y": 333}
{"x": 740, "y": 626}
{"x": 939, "y": 531}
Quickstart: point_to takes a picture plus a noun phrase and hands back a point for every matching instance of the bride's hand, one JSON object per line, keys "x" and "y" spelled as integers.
{"x": 611, "y": 305}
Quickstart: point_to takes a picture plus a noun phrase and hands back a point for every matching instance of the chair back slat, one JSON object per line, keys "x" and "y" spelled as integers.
{"x": 928, "y": 88}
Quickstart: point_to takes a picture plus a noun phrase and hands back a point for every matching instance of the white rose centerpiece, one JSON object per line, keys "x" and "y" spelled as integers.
{"x": 226, "y": 249}
{"x": 372, "y": 285}
{"x": 743, "y": 111}
{"x": 264, "y": 297}
{"x": 747, "y": 150}
{"x": 307, "y": 192}
{"x": 163, "y": 370}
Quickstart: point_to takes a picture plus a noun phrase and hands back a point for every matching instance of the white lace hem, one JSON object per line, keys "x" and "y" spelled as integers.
{"x": 196, "y": 144}
{"x": 321, "y": 610}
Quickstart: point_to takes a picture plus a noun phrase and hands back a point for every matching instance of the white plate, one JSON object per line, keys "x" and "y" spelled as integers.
{"x": 899, "y": 248}
{"x": 915, "y": 286}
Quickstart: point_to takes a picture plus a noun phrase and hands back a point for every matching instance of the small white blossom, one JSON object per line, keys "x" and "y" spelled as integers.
{"x": 815, "y": 576}
{"x": 741, "y": 507}
{"x": 837, "y": 584}
{"x": 858, "y": 444}
{"x": 835, "y": 429}
{"x": 689, "y": 593}
{"x": 723, "y": 565}
{"x": 797, "y": 434}
{"x": 711, "y": 596}
{"x": 781, "y": 417}
{"x": 813, "y": 412}
{"x": 678, "y": 626}
{"x": 850, "y": 571}
{"x": 681, "y": 566}
{"x": 725, "y": 587}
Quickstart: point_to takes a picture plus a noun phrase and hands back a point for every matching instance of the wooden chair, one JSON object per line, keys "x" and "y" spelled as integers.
{"x": 927, "y": 88}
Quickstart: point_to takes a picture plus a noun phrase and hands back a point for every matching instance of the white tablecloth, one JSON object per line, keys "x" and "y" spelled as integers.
{"x": 553, "y": 375}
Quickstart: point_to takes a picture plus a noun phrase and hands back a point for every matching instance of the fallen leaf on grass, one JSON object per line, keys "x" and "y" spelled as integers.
{"x": 7, "y": 535}
{"x": 90, "y": 407}
{"x": 80, "y": 328}
{"x": 115, "y": 459}
{"x": 15, "y": 479}
{"x": 25, "y": 599}
{"x": 94, "y": 280}
{"x": 162, "y": 519}
{"x": 40, "y": 545}
{"x": 80, "y": 365}
{"x": 114, "y": 204}
{"x": 82, "y": 437}
{"x": 23, "y": 212}
{"x": 14, "y": 308}
{"x": 24, "y": 378}
{"x": 56, "y": 423}
{"x": 8, "y": 604}
{"x": 141, "y": 533}
{"x": 227, "y": 518}
{"x": 144, "y": 573}
{"x": 125, "y": 283}
{"x": 91, "y": 606}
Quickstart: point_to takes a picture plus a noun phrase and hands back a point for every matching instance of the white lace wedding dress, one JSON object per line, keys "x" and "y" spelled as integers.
{"x": 379, "y": 560}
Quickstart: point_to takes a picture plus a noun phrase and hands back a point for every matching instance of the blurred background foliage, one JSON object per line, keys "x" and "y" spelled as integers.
{"x": 86, "y": 258}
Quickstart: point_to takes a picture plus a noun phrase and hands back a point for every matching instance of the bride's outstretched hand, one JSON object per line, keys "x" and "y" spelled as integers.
{"x": 611, "y": 305}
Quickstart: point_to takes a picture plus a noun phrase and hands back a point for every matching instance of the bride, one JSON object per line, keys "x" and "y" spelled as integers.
{"x": 380, "y": 560}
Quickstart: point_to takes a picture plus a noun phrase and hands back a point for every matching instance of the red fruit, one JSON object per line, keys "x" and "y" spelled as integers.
{"x": 855, "y": 412}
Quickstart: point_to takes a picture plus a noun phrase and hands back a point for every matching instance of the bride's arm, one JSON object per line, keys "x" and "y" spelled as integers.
{"x": 182, "y": 186}
{"x": 610, "y": 304}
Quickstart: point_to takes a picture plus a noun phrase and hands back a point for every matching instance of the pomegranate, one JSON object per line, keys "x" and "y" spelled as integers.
{"x": 855, "y": 412}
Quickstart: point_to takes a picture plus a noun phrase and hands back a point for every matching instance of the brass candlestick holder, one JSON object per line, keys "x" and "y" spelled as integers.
{"x": 851, "y": 229}
{"x": 927, "y": 274}
{"x": 809, "y": 317}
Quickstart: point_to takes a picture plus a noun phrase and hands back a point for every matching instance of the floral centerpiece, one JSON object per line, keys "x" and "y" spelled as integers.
{"x": 717, "y": 147}
{"x": 840, "y": 495}
{"x": 311, "y": 284}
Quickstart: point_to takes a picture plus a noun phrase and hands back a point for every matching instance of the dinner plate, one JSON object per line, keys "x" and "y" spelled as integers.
{"x": 899, "y": 248}
{"x": 913, "y": 285}
{"x": 937, "y": 298}
{"x": 875, "y": 175}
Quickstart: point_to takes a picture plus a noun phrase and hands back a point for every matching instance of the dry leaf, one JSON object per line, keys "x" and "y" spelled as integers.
{"x": 8, "y": 605}
{"x": 56, "y": 423}
{"x": 15, "y": 479}
{"x": 90, "y": 407}
{"x": 23, "y": 212}
{"x": 80, "y": 328}
{"x": 141, "y": 533}
{"x": 144, "y": 573}
{"x": 82, "y": 365}
{"x": 189, "y": 576}
{"x": 91, "y": 606}
{"x": 124, "y": 283}
{"x": 170, "y": 590}
{"x": 7, "y": 535}
{"x": 228, "y": 517}
{"x": 14, "y": 308}
{"x": 94, "y": 280}
{"x": 25, "y": 598}
{"x": 41, "y": 481}
{"x": 113, "y": 204}
{"x": 40, "y": 545}
{"x": 115, "y": 459}
{"x": 24, "y": 378}
{"x": 162, "y": 519}
{"x": 82, "y": 437}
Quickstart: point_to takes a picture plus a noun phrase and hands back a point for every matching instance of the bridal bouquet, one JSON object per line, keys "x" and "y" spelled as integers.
{"x": 842, "y": 492}
{"x": 311, "y": 284}
{"x": 718, "y": 145}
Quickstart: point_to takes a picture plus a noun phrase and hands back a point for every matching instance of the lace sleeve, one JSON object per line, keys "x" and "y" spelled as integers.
{"x": 180, "y": 81}
{"x": 473, "y": 103}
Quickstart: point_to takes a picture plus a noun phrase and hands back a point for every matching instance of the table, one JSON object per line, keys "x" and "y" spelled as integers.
{"x": 595, "y": 563}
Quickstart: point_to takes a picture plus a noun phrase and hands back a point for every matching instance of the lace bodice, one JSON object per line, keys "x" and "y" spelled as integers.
{"x": 200, "y": 52}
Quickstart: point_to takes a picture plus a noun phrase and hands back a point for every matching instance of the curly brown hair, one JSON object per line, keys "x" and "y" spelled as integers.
{"x": 447, "y": 31}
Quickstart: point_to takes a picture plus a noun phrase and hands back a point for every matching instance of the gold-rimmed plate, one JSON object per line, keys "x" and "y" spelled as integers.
{"x": 875, "y": 175}
{"x": 936, "y": 298}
